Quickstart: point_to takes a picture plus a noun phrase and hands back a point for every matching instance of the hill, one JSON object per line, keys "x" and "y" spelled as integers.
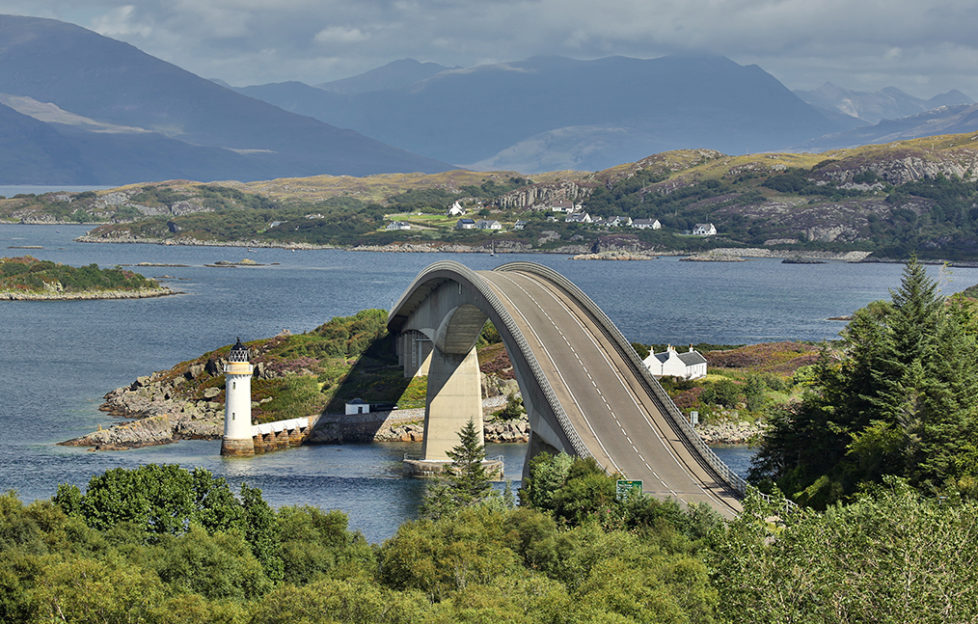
{"x": 151, "y": 105}
{"x": 885, "y": 200}
{"x": 558, "y": 113}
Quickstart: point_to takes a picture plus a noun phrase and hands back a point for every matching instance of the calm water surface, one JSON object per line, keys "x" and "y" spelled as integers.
{"x": 57, "y": 359}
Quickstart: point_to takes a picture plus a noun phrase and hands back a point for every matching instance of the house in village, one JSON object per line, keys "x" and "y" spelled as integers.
{"x": 563, "y": 206}
{"x": 704, "y": 229}
{"x": 618, "y": 221}
{"x": 465, "y": 224}
{"x": 456, "y": 210}
{"x": 519, "y": 225}
{"x": 398, "y": 225}
{"x": 578, "y": 217}
{"x": 484, "y": 224}
{"x": 670, "y": 363}
{"x": 646, "y": 224}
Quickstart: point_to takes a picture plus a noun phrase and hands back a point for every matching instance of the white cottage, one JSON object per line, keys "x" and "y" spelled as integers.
{"x": 670, "y": 363}
{"x": 456, "y": 210}
{"x": 705, "y": 229}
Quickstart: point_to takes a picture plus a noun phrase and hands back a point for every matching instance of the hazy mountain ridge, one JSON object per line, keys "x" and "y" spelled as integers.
{"x": 112, "y": 82}
{"x": 558, "y": 113}
{"x": 876, "y": 106}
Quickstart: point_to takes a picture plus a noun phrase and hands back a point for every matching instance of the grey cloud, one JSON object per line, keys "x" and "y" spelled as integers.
{"x": 922, "y": 47}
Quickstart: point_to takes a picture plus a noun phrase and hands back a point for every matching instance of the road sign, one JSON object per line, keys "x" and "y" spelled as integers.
{"x": 624, "y": 488}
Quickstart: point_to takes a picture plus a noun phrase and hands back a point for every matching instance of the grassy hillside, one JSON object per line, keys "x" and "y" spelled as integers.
{"x": 890, "y": 200}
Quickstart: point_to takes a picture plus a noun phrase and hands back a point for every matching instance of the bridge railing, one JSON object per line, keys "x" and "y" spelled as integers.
{"x": 658, "y": 395}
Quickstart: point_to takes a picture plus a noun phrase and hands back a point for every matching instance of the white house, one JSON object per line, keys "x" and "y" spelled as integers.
{"x": 563, "y": 206}
{"x": 618, "y": 221}
{"x": 357, "y": 406}
{"x": 704, "y": 229}
{"x": 669, "y": 363}
{"x": 578, "y": 217}
{"x": 456, "y": 210}
{"x": 465, "y": 224}
{"x": 646, "y": 224}
{"x": 483, "y": 224}
{"x": 398, "y": 225}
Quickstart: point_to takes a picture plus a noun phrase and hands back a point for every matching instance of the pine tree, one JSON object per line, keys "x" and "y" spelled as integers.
{"x": 902, "y": 402}
{"x": 467, "y": 478}
{"x": 466, "y": 481}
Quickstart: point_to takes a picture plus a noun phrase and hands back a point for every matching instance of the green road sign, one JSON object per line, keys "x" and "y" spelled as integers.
{"x": 624, "y": 489}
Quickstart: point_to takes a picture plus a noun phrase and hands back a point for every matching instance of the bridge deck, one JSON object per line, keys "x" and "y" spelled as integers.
{"x": 607, "y": 403}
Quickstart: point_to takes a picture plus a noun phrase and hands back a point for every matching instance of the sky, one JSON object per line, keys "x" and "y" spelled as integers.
{"x": 923, "y": 47}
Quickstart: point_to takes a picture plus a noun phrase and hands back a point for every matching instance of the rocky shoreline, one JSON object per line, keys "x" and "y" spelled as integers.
{"x": 147, "y": 293}
{"x": 578, "y": 252}
{"x": 156, "y": 413}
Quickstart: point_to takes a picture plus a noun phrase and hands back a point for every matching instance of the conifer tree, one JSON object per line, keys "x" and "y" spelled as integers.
{"x": 466, "y": 481}
{"x": 902, "y": 401}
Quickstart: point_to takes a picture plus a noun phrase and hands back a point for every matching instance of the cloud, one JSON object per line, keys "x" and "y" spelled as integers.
{"x": 921, "y": 46}
{"x": 340, "y": 34}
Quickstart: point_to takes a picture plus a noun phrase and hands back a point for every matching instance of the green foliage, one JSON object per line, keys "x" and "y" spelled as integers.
{"x": 890, "y": 556}
{"x": 28, "y": 275}
{"x": 513, "y": 410}
{"x": 901, "y": 402}
{"x": 465, "y": 483}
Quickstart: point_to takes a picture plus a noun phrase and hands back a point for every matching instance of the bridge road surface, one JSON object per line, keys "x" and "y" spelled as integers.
{"x": 604, "y": 399}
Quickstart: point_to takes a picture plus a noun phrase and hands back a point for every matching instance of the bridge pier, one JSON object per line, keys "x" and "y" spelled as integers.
{"x": 454, "y": 398}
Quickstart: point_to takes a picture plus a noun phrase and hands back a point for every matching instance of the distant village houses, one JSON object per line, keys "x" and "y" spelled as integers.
{"x": 398, "y": 225}
{"x": 563, "y": 206}
{"x": 519, "y": 225}
{"x": 465, "y": 224}
{"x": 578, "y": 217}
{"x": 704, "y": 229}
{"x": 646, "y": 224}
{"x": 456, "y": 210}
{"x": 670, "y": 363}
{"x": 484, "y": 224}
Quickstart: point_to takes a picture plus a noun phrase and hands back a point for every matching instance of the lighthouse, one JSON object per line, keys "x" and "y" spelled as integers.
{"x": 237, "y": 406}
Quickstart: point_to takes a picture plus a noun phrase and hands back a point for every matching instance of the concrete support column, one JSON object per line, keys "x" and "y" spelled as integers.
{"x": 454, "y": 398}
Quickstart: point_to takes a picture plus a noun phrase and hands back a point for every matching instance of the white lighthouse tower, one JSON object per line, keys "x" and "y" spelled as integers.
{"x": 237, "y": 406}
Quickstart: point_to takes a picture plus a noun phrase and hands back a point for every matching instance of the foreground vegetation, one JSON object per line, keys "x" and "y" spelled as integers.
{"x": 27, "y": 275}
{"x": 160, "y": 544}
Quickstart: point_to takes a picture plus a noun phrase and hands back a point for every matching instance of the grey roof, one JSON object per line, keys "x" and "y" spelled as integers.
{"x": 662, "y": 357}
{"x": 690, "y": 358}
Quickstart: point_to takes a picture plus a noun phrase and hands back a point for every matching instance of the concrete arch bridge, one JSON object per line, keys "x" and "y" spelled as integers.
{"x": 584, "y": 388}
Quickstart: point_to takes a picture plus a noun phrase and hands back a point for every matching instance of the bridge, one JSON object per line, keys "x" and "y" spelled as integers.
{"x": 585, "y": 389}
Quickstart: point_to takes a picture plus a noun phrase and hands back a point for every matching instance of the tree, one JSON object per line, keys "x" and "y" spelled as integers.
{"x": 899, "y": 401}
{"x": 465, "y": 483}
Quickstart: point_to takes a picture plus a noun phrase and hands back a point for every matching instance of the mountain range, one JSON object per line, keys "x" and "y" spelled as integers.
{"x": 548, "y": 113}
{"x": 81, "y": 108}
{"x": 876, "y": 106}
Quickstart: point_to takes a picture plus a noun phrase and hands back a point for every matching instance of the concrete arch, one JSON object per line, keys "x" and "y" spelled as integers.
{"x": 585, "y": 389}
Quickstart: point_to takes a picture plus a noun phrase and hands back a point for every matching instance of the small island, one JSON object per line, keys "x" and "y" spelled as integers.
{"x": 27, "y": 278}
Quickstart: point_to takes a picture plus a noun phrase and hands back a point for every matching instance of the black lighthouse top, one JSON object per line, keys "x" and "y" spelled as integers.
{"x": 238, "y": 353}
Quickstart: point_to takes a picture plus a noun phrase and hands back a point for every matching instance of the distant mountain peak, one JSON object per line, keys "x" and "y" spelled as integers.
{"x": 397, "y": 74}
